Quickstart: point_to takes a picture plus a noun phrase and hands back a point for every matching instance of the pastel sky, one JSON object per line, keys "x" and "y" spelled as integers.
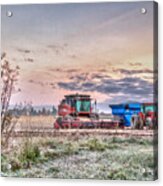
{"x": 102, "y": 49}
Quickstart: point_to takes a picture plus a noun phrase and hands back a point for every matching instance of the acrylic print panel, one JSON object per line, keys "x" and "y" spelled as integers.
{"x": 79, "y": 91}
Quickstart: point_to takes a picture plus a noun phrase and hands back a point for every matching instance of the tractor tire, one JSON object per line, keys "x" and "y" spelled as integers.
{"x": 141, "y": 123}
{"x": 149, "y": 123}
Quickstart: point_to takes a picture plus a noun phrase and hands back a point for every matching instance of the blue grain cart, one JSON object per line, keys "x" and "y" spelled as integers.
{"x": 125, "y": 111}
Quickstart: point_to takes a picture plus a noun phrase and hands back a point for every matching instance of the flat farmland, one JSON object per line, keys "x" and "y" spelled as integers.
{"x": 79, "y": 153}
{"x": 82, "y": 157}
{"x": 31, "y": 122}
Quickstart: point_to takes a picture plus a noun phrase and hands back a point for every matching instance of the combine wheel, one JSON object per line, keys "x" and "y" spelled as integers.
{"x": 69, "y": 120}
{"x": 134, "y": 122}
{"x": 59, "y": 121}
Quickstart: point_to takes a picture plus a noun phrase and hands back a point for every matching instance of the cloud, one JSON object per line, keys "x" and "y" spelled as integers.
{"x": 102, "y": 70}
{"x": 51, "y": 85}
{"x": 57, "y": 48}
{"x": 72, "y": 56}
{"x": 135, "y": 64}
{"x": 42, "y": 84}
{"x": 60, "y": 49}
{"x": 126, "y": 86}
{"x": 80, "y": 77}
{"x": 29, "y": 60}
{"x": 71, "y": 70}
{"x": 87, "y": 85}
{"x": 61, "y": 70}
{"x": 99, "y": 76}
{"x": 69, "y": 86}
{"x": 51, "y": 69}
{"x": 26, "y": 51}
{"x": 131, "y": 72}
{"x": 31, "y": 81}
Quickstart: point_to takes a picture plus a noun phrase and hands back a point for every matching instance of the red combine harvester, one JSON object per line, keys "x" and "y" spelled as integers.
{"x": 78, "y": 111}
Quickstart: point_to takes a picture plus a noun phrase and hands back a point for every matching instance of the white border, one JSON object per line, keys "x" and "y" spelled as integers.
{"x": 42, "y": 182}
{"x": 61, "y": 1}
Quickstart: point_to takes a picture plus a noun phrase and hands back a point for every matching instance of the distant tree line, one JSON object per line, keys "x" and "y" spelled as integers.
{"x": 32, "y": 111}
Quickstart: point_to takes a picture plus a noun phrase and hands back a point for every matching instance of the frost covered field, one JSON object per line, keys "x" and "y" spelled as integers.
{"x": 77, "y": 157}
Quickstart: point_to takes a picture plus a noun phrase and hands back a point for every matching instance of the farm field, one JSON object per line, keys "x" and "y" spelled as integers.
{"x": 79, "y": 156}
{"x": 27, "y": 122}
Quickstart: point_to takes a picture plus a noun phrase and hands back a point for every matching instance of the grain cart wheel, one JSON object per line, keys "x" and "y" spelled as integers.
{"x": 140, "y": 123}
{"x": 134, "y": 122}
{"x": 137, "y": 122}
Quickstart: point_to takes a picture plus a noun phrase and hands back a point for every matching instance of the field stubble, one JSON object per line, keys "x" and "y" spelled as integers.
{"x": 78, "y": 156}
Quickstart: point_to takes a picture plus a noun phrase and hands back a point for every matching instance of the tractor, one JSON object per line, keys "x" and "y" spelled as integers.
{"x": 147, "y": 116}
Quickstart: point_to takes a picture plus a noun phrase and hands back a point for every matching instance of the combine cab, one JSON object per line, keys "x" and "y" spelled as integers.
{"x": 75, "y": 105}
